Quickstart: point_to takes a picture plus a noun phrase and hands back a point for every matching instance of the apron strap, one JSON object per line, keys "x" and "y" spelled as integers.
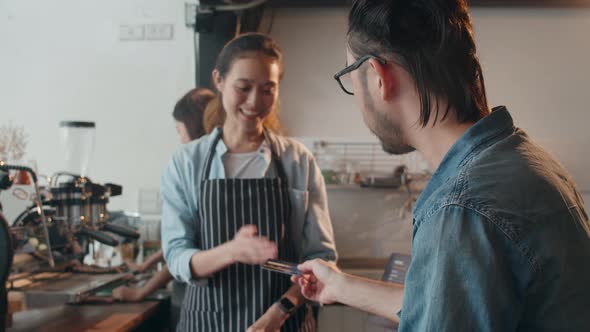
{"x": 277, "y": 161}
{"x": 210, "y": 153}
{"x": 275, "y": 158}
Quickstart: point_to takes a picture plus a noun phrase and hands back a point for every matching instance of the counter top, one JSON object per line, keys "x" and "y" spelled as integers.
{"x": 116, "y": 317}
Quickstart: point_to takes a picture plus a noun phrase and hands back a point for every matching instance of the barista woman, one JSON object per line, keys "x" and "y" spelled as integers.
{"x": 239, "y": 196}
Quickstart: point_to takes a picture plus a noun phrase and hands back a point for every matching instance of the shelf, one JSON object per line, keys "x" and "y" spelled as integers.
{"x": 355, "y": 187}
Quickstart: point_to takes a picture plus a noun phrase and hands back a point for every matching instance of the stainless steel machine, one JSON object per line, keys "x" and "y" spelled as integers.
{"x": 50, "y": 238}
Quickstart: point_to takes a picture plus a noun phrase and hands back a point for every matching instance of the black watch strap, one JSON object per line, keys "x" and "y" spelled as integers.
{"x": 286, "y": 305}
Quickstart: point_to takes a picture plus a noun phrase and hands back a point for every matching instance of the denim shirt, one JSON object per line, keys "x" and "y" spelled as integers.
{"x": 310, "y": 224}
{"x": 501, "y": 239}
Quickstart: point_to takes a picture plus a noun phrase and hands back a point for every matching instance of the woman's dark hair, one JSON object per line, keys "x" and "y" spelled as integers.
{"x": 239, "y": 47}
{"x": 190, "y": 109}
{"x": 433, "y": 41}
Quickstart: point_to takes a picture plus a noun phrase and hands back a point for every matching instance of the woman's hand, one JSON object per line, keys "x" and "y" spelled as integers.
{"x": 134, "y": 267}
{"x": 271, "y": 321}
{"x": 127, "y": 294}
{"x": 249, "y": 248}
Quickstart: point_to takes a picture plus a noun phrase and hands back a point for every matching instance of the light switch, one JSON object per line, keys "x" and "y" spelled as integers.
{"x": 159, "y": 31}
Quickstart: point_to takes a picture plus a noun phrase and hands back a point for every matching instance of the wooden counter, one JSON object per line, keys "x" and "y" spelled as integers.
{"x": 362, "y": 263}
{"x": 117, "y": 317}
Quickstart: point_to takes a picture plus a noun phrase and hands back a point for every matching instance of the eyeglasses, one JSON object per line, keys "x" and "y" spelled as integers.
{"x": 345, "y": 82}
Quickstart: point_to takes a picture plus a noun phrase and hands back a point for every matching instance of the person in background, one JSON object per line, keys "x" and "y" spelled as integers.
{"x": 188, "y": 115}
{"x": 501, "y": 241}
{"x": 240, "y": 196}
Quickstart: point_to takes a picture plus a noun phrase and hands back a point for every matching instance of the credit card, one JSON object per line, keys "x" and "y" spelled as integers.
{"x": 279, "y": 266}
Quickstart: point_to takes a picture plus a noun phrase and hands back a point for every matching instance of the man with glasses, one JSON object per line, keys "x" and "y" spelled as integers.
{"x": 501, "y": 240}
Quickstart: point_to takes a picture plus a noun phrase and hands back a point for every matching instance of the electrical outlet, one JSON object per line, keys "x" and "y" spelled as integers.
{"x": 159, "y": 31}
{"x": 131, "y": 32}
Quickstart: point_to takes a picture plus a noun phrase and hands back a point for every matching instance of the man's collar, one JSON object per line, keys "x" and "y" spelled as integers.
{"x": 492, "y": 127}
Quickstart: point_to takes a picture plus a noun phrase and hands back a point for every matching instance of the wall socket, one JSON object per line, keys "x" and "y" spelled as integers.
{"x": 136, "y": 32}
{"x": 131, "y": 32}
{"x": 159, "y": 31}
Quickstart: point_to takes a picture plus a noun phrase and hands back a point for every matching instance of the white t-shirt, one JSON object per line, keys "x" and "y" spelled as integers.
{"x": 248, "y": 165}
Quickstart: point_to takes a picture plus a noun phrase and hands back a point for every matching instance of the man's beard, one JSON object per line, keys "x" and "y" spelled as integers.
{"x": 388, "y": 133}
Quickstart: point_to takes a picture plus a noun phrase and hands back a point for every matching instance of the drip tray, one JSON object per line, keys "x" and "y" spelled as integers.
{"x": 67, "y": 288}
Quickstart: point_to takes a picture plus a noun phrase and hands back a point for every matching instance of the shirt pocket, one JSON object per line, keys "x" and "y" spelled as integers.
{"x": 299, "y": 204}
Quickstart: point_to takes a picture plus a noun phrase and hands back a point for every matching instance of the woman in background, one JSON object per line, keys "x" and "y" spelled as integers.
{"x": 188, "y": 115}
{"x": 240, "y": 196}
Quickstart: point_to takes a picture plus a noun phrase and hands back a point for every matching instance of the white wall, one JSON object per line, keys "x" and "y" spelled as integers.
{"x": 535, "y": 61}
{"x": 62, "y": 60}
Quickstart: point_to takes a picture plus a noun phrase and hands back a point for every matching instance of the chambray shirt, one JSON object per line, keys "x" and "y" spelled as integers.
{"x": 500, "y": 240}
{"x": 310, "y": 225}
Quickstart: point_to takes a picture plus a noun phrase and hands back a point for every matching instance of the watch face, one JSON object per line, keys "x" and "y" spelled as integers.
{"x": 287, "y": 305}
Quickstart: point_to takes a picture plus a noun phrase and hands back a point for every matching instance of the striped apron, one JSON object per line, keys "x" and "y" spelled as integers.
{"x": 234, "y": 298}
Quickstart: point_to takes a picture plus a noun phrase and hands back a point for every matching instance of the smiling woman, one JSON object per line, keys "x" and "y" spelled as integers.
{"x": 249, "y": 63}
{"x": 240, "y": 196}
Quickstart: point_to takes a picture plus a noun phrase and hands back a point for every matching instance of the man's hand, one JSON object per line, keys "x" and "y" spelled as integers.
{"x": 249, "y": 248}
{"x": 323, "y": 282}
{"x": 319, "y": 281}
{"x": 271, "y": 321}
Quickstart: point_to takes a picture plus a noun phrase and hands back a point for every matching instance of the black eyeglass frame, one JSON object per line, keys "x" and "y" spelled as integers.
{"x": 354, "y": 66}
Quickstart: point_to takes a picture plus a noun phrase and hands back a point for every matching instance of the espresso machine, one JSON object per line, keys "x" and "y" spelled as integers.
{"x": 6, "y": 255}
{"x": 50, "y": 238}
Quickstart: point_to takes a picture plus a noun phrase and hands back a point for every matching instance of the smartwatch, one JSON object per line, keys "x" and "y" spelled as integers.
{"x": 286, "y": 305}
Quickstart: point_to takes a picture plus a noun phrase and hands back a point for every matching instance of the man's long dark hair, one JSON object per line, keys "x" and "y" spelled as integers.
{"x": 433, "y": 41}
